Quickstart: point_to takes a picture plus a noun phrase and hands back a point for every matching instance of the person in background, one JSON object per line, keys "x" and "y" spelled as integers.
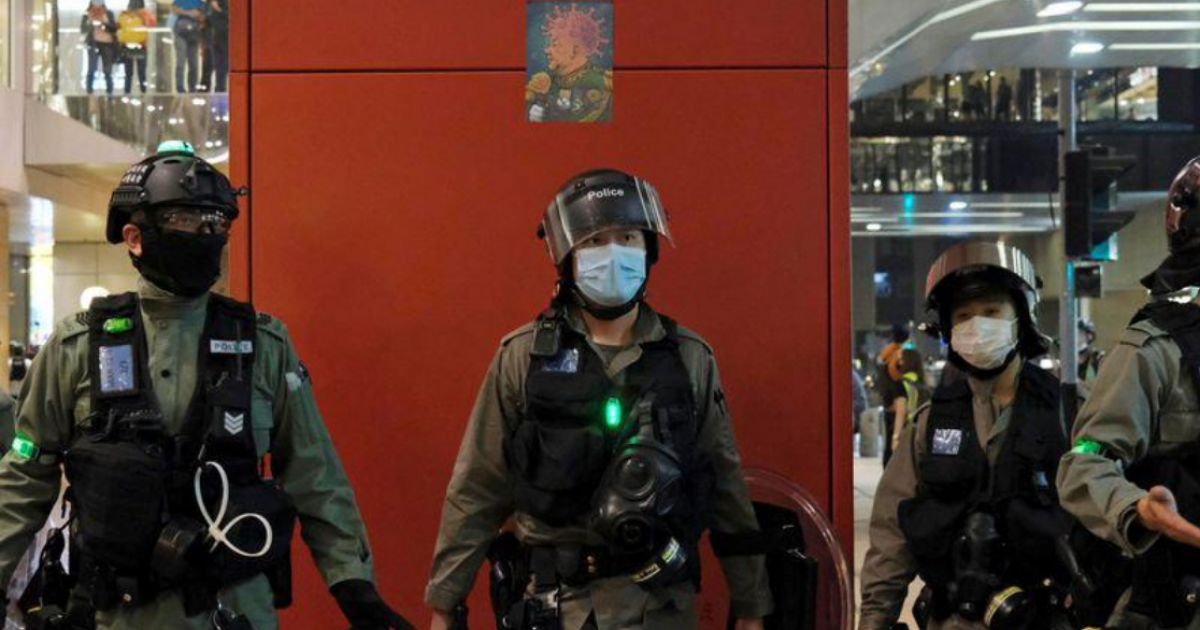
{"x": 1004, "y": 97}
{"x": 135, "y": 22}
{"x": 99, "y": 32}
{"x": 188, "y": 17}
{"x": 214, "y": 67}
{"x": 1090, "y": 357}
{"x": 888, "y": 362}
{"x": 912, "y": 383}
{"x": 860, "y": 396}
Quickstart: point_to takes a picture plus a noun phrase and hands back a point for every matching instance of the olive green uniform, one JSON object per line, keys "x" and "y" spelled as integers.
{"x": 1143, "y": 402}
{"x": 7, "y": 421}
{"x": 581, "y": 96}
{"x": 890, "y": 566}
{"x": 55, "y": 400}
{"x": 479, "y": 499}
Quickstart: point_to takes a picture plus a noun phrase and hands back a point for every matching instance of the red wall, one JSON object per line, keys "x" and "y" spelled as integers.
{"x": 396, "y": 190}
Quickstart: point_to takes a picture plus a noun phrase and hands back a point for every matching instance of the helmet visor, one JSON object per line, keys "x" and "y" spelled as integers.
{"x": 577, "y": 215}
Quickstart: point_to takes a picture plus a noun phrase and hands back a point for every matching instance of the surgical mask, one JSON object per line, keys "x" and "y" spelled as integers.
{"x": 186, "y": 264}
{"x": 985, "y": 342}
{"x": 610, "y": 275}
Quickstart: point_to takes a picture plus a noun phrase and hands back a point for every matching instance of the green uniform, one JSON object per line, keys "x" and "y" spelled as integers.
{"x": 582, "y": 96}
{"x": 55, "y": 399}
{"x": 479, "y": 499}
{"x": 7, "y": 421}
{"x": 1143, "y": 402}
{"x": 890, "y": 567}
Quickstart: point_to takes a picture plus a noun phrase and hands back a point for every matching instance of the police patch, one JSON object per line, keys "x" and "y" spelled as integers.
{"x": 221, "y": 346}
{"x": 565, "y": 362}
{"x": 947, "y": 441}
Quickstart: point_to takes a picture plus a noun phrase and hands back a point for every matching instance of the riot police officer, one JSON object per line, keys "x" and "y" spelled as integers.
{"x": 162, "y": 405}
{"x": 1132, "y": 475}
{"x": 968, "y": 501}
{"x": 602, "y": 428}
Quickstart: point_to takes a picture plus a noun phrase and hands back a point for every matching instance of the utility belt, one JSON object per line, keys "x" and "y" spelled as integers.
{"x": 527, "y": 580}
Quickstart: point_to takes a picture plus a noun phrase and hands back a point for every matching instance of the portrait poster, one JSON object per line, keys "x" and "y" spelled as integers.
{"x": 569, "y": 62}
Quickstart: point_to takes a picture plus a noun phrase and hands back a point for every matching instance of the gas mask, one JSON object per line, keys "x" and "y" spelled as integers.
{"x": 640, "y": 490}
{"x": 977, "y": 591}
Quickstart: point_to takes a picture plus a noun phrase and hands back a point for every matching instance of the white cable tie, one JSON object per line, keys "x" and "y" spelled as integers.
{"x": 219, "y": 534}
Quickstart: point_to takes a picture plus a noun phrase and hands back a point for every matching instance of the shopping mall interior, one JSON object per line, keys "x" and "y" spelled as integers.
{"x": 816, "y": 157}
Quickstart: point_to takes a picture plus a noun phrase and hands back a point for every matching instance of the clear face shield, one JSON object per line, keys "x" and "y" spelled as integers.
{"x": 577, "y": 215}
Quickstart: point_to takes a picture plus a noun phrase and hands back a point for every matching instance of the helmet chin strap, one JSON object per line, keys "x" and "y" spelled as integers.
{"x": 606, "y": 313}
{"x": 979, "y": 373}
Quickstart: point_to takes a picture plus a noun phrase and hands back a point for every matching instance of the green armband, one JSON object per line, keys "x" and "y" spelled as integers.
{"x": 24, "y": 448}
{"x": 1088, "y": 447}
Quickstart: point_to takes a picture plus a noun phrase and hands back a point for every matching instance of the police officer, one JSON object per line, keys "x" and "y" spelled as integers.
{"x": 602, "y": 428}
{"x": 161, "y": 406}
{"x": 968, "y": 501}
{"x": 1133, "y": 476}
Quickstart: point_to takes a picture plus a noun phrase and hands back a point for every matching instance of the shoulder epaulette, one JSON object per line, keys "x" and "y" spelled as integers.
{"x": 271, "y": 326}
{"x": 527, "y": 329}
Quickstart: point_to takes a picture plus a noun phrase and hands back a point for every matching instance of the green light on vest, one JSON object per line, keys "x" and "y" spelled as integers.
{"x": 24, "y": 447}
{"x": 1088, "y": 447}
{"x": 612, "y": 413}
{"x": 175, "y": 146}
{"x": 118, "y": 325}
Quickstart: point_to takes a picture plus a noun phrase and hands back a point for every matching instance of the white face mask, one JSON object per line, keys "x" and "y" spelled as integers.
{"x": 984, "y": 342}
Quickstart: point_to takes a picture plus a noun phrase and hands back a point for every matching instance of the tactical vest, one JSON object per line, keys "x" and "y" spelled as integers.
{"x": 562, "y": 446}
{"x": 955, "y": 480}
{"x": 139, "y": 528}
{"x": 1159, "y": 573}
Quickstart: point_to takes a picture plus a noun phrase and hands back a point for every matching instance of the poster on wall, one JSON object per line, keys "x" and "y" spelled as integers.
{"x": 569, "y": 62}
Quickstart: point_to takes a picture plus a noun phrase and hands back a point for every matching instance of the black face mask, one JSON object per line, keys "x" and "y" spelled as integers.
{"x": 183, "y": 263}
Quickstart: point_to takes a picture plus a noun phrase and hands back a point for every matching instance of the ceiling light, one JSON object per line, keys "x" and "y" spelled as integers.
{"x": 948, "y": 14}
{"x": 1140, "y": 7}
{"x": 1113, "y": 25}
{"x": 958, "y": 205}
{"x": 1086, "y": 48}
{"x": 1055, "y": 9}
{"x": 1157, "y": 46}
{"x": 874, "y": 227}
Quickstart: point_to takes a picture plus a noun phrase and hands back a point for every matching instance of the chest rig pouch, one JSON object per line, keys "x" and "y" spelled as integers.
{"x": 157, "y": 511}
{"x": 1167, "y": 577}
{"x": 563, "y": 446}
{"x": 959, "y": 495}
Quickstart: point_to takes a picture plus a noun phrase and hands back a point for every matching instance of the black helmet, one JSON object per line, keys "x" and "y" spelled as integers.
{"x": 172, "y": 176}
{"x": 600, "y": 200}
{"x": 1182, "y": 220}
{"x": 974, "y": 270}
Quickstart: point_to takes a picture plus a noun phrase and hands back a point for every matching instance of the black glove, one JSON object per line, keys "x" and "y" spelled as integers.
{"x": 364, "y": 608}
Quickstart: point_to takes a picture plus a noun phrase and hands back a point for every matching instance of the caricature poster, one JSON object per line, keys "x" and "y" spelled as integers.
{"x": 569, "y": 61}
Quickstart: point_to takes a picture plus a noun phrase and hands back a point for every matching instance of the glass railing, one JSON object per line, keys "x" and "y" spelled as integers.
{"x": 131, "y": 93}
{"x": 145, "y": 121}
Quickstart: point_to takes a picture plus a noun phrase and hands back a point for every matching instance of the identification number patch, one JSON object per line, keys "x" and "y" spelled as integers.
{"x": 565, "y": 362}
{"x": 947, "y": 441}
{"x": 117, "y": 370}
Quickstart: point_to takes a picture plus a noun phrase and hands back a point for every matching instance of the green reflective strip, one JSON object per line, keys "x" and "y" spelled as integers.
{"x": 118, "y": 325}
{"x": 612, "y": 413}
{"x": 175, "y": 146}
{"x": 24, "y": 447}
{"x": 1087, "y": 447}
